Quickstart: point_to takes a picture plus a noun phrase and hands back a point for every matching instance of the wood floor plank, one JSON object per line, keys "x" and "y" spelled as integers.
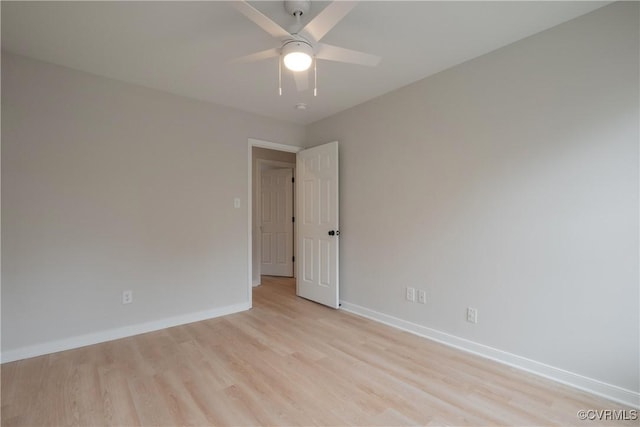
{"x": 286, "y": 362}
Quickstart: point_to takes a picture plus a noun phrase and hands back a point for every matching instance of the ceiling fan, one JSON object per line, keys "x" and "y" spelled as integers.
{"x": 300, "y": 48}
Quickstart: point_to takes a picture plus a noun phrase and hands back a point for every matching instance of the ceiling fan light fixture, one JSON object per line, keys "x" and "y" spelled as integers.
{"x": 297, "y": 55}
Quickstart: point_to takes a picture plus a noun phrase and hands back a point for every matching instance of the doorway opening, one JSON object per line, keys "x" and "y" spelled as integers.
{"x": 272, "y": 211}
{"x": 317, "y": 229}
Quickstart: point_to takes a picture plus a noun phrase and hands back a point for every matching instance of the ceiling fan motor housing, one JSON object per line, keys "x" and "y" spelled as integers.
{"x": 297, "y": 7}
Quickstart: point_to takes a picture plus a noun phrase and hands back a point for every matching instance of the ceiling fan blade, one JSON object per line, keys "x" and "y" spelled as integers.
{"x": 260, "y": 19}
{"x": 302, "y": 80}
{"x": 340, "y": 54}
{"x": 258, "y": 56}
{"x": 327, "y": 19}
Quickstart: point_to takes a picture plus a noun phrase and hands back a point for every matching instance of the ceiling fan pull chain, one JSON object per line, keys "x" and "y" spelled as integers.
{"x": 280, "y": 75}
{"x": 315, "y": 77}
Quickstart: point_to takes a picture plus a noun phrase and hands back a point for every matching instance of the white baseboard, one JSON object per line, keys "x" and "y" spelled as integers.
{"x": 117, "y": 333}
{"x": 608, "y": 391}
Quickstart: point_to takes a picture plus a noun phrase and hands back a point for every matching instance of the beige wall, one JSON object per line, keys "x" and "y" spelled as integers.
{"x": 108, "y": 186}
{"x": 510, "y": 184}
{"x": 262, "y": 154}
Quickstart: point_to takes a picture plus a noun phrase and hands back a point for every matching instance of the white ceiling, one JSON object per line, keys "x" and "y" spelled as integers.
{"x": 185, "y": 47}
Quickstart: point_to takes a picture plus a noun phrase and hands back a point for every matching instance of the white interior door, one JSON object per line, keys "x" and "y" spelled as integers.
{"x": 276, "y": 210}
{"x": 317, "y": 224}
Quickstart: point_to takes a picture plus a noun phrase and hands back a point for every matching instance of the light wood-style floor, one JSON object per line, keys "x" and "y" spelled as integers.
{"x": 287, "y": 361}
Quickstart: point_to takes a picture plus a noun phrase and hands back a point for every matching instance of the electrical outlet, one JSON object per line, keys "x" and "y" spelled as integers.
{"x": 472, "y": 315}
{"x": 422, "y": 297}
{"x": 411, "y": 294}
{"x": 127, "y": 297}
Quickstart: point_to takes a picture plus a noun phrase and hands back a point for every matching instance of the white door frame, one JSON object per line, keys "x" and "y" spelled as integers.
{"x": 261, "y": 165}
{"x": 271, "y": 146}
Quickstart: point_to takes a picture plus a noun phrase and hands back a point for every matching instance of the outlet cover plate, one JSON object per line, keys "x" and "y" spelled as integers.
{"x": 411, "y": 294}
{"x": 472, "y": 315}
{"x": 422, "y": 297}
{"x": 127, "y": 297}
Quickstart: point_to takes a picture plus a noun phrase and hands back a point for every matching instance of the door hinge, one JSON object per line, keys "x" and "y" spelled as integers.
{"x": 293, "y": 179}
{"x": 293, "y": 258}
{"x": 293, "y": 219}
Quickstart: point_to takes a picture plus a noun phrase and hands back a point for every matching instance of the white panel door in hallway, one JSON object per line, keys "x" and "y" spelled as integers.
{"x": 317, "y": 224}
{"x": 276, "y": 211}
